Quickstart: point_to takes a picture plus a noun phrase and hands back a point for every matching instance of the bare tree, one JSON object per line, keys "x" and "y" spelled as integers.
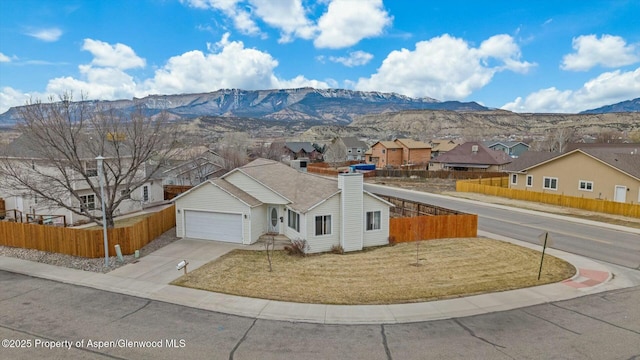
{"x": 233, "y": 147}
{"x": 562, "y": 137}
{"x": 269, "y": 246}
{"x": 60, "y": 141}
{"x": 335, "y": 153}
{"x": 610, "y": 137}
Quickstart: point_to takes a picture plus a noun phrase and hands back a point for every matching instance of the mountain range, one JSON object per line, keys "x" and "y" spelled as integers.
{"x": 625, "y": 106}
{"x": 328, "y": 106}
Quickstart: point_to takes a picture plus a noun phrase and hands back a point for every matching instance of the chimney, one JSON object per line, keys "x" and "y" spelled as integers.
{"x": 351, "y": 211}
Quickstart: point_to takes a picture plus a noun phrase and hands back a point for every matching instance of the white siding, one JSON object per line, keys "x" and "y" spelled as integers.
{"x": 291, "y": 233}
{"x": 351, "y": 208}
{"x": 258, "y": 222}
{"x": 254, "y": 188}
{"x": 376, "y": 237}
{"x": 209, "y": 197}
{"x": 324, "y": 243}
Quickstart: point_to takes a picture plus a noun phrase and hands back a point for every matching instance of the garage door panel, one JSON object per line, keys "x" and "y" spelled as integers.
{"x": 213, "y": 226}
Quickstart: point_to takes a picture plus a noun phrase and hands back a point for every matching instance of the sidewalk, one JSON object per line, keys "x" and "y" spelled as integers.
{"x": 150, "y": 276}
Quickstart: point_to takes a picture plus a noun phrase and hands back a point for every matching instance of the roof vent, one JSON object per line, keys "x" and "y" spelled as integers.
{"x": 474, "y": 149}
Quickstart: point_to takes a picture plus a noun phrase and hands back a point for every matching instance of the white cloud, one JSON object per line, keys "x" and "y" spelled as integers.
{"x": 48, "y": 35}
{"x": 4, "y": 58}
{"x": 288, "y": 16}
{"x": 607, "y": 88}
{"x": 119, "y": 56}
{"x": 355, "y": 58}
{"x": 445, "y": 67}
{"x": 11, "y": 97}
{"x": 608, "y": 51}
{"x": 241, "y": 16}
{"x": 346, "y": 22}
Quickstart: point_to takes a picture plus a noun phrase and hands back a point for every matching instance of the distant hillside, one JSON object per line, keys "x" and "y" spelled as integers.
{"x": 625, "y": 106}
{"x": 427, "y": 124}
{"x": 327, "y": 106}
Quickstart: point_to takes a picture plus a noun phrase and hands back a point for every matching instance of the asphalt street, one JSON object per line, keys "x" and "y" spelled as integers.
{"x": 37, "y": 314}
{"x": 596, "y": 242}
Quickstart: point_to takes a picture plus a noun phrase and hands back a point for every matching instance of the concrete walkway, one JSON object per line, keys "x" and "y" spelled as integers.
{"x": 150, "y": 277}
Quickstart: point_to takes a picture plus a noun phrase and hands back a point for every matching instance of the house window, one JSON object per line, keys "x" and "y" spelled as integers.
{"x": 585, "y": 185}
{"x": 323, "y": 225}
{"x": 88, "y": 202}
{"x": 529, "y": 180}
{"x": 293, "y": 220}
{"x": 514, "y": 179}
{"x": 550, "y": 183}
{"x": 145, "y": 193}
{"x": 383, "y": 151}
{"x": 92, "y": 169}
{"x": 373, "y": 220}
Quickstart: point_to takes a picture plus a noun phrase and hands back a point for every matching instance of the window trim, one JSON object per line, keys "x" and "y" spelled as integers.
{"x": 551, "y": 180}
{"x": 145, "y": 193}
{"x": 293, "y": 220}
{"x": 373, "y": 217}
{"x": 529, "y": 182}
{"x": 324, "y": 230}
{"x": 84, "y": 201}
{"x": 586, "y": 187}
{"x": 514, "y": 179}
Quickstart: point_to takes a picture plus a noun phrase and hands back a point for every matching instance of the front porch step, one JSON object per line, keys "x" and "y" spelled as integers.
{"x": 279, "y": 241}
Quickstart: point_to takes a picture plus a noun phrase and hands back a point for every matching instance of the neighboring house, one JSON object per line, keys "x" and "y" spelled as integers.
{"x": 511, "y": 148}
{"x": 441, "y": 146}
{"x": 386, "y": 154}
{"x": 471, "y": 156}
{"x": 398, "y": 153}
{"x": 297, "y": 150}
{"x": 193, "y": 170}
{"x": 346, "y": 149}
{"x": 414, "y": 152}
{"x": 18, "y": 154}
{"x": 266, "y": 196}
{"x": 589, "y": 173}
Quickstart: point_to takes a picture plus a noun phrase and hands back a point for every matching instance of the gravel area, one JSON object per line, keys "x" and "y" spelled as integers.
{"x": 86, "y": 264}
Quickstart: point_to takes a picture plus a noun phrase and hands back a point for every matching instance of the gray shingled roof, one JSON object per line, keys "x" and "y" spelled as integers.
{"x": 625, "y": 162}
{"x": 237, "y": 192}
{"x": 463, "y": 154}
{"x": 297, "y": 146}
{"x": 353, "y": 142}
{"x": 529, "y": 159}
{"x": 302, "y": 189}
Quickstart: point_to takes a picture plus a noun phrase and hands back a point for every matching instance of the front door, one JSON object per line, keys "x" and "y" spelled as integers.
{"x": 620, "y": 194}
{"x": 273, "y": 220}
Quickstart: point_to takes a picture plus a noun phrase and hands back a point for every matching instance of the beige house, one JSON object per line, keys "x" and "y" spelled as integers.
{"x": 588, "y": 173}
{"x": 268, "y": 197}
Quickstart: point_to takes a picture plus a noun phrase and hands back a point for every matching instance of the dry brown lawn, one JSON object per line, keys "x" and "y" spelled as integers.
{"x": 385, "y": 275}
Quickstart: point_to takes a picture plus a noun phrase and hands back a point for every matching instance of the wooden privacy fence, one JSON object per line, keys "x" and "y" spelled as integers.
{"x": 421, "y": 221}
{"x": 433, "y": 227}
{"x": 438, "y": 174}
{"x": 171, "y": 191}
{"x": 87, "y": 243}
{"x": 603, "y": 206}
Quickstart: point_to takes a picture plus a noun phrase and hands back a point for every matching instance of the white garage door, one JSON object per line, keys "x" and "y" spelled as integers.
{"x": 213, "y": 226}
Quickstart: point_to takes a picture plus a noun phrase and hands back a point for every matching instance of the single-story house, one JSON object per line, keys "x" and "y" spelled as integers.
{"x": 268, "y": 197}
{"x": 588, "y": 173}
{"x": 471, "y": 156}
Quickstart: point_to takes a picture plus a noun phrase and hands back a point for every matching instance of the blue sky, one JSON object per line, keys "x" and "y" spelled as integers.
{"x": 525, "y": 56}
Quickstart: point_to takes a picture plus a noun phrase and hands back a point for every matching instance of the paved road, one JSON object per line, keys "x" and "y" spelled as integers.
{"x": 35, "y": 311}
{"x": 613, "y": 246}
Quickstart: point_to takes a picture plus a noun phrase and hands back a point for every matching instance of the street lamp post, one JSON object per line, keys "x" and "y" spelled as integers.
{"x": 101, "y": 180}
